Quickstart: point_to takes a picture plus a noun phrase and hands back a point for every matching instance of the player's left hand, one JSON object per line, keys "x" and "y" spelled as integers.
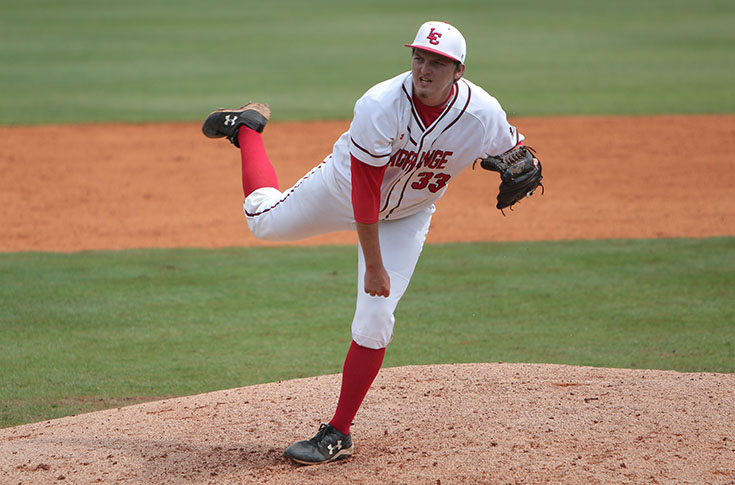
{"x": 520, "y": 174}
{"x": 377, "y": 282}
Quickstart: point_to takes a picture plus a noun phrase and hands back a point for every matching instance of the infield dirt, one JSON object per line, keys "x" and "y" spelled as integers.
{"x": 69, "y": 188}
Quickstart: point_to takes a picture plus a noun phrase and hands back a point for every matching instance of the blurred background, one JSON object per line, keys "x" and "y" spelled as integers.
{"x": 156, "y": 60}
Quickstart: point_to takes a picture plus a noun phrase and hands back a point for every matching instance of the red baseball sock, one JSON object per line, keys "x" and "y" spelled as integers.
{"x": 361, "y": 367}
{"x": 257, "y": 170}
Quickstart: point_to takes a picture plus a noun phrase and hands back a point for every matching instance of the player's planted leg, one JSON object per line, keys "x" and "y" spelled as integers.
{"x": 334, "y": 441}
{"x": 360, "y": 370}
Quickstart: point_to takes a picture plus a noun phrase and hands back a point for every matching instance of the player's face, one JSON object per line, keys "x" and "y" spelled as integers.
{"x": 433, "y": 76}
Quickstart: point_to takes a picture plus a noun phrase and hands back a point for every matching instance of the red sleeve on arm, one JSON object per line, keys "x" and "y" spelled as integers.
{"x": 366, "y": 181}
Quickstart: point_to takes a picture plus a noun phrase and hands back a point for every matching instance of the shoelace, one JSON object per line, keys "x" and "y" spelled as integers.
{"x": 320, "y": 434}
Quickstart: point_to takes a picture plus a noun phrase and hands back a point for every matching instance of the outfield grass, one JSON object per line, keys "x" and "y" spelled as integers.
{"x": 91, "y": 330}
{"x": 143, "y": 60}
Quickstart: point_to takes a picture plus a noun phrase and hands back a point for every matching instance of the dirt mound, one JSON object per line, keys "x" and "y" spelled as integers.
{"x": 446, "y": 424}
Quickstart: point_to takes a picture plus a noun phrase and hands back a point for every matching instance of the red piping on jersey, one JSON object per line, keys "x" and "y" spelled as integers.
{"x": 415, "y": 115}
{"x": 367, "y": 152}
{"x": 464, "y": 109}
{"x": 419, "y": 145}
{"x": 410, "y": 135}
{"x": 423, "y": 137}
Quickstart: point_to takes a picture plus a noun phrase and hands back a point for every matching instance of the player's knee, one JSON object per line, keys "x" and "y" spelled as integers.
{"x": 369, "y": 342}
{"x": 257, "y": 208}
{"x": 262, "y": 230}
{"x": 373, "y": 327}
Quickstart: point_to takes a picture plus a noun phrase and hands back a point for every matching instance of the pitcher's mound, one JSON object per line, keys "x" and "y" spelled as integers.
{"x": 446, "y": 424}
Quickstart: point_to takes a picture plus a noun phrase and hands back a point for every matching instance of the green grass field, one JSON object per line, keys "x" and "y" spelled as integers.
{"x": 143, "y": 60}
{"x": 92, "y": 330}
{"x": 96, "y": 329}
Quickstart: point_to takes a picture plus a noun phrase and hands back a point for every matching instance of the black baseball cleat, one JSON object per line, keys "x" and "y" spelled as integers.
{"x": 225, "y": 123}
{"x": 328, "y": 445}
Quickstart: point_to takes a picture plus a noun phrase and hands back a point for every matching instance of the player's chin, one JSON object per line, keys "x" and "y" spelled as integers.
{"x": 423, "y": 92}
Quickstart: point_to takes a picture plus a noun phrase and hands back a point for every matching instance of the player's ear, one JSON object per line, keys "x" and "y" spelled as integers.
{"x": 459, "y": 71}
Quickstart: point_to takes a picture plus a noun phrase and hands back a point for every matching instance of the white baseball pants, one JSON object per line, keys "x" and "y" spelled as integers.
{"x": 316, "y": 205}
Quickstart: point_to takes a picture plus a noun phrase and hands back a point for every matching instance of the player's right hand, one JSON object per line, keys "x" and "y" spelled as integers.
{"x": 377, "y": 282}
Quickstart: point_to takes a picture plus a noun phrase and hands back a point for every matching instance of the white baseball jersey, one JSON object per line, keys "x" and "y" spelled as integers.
{"x": 421, "y": 160}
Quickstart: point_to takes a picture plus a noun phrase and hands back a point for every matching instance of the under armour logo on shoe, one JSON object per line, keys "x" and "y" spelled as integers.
{"x": 230, "y": 120}
{"x": 332, "y": 449}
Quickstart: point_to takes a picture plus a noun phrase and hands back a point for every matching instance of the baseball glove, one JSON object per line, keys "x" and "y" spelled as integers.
{"x": 520, "y": 174}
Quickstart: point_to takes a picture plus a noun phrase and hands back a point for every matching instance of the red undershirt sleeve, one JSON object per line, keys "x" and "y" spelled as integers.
{"x": 366, "y": 181}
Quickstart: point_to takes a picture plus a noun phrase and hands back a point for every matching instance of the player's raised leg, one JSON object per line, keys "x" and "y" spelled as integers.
{"x": 311, "y": 207}
{"x": 243, "y": 127}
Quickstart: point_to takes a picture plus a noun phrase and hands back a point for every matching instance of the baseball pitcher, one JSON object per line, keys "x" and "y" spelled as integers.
{"x": 409, "y": 138}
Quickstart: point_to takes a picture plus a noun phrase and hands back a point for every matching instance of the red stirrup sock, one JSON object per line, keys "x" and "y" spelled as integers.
{"x": 361, "y": 367}
{"x": 257, "y": 170}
